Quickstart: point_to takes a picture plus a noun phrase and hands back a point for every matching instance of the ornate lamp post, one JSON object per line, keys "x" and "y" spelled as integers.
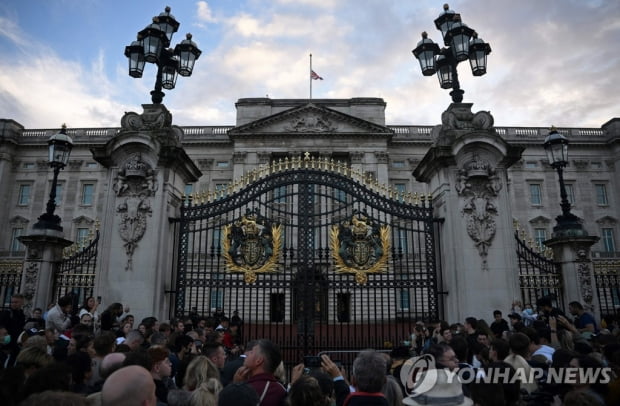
{"x": 556, "y": 147}
{"x": 60, "y": 146}
{"x": 462, "y": 43}
{"x": 152, "y": 46}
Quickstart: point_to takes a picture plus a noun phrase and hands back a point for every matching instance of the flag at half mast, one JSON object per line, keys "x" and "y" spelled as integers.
{"x": 315, "y": 76}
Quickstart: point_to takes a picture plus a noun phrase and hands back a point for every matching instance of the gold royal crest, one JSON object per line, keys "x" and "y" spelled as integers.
{"x": 360, "y": 247}
{"x": 251, "y": 245}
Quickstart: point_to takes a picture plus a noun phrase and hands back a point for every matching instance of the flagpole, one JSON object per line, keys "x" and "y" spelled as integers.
{"x": 310, "y": 76}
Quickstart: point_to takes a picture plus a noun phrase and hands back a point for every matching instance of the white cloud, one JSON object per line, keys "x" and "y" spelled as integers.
{"x": 204, "y": 12}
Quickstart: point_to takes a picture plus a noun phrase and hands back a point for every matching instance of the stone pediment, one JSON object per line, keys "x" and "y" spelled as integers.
{"x": 310, "y": 119}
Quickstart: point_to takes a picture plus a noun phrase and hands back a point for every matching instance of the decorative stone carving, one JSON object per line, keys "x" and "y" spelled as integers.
{"x": 205, "y": 163}
{"x": 239, "y": 157}
{"x": 134, "y": 184}
{"x": 461, "y": 118}
{"x": 310, "y": 123}
{"x": 151, "y": 119}
{"x": 357, "y": 157}
{"x": 478, "y": 184}
{"x": 382, "y": 157}
{"x": 580, "y": 164}
{"x": 31, "y": 277}
{"x": 611, "y": 164}
{"x": 75, "y": 163}
{"x": 42, "y": 165}
{"x": 585, "y": 278}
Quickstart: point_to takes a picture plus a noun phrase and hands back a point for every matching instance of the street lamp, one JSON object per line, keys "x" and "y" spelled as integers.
{"x": 152, "y": 46}
{"x": 59, "y": 148}
{"x": 462, "y": 43}
{"x": 556, "y": 147}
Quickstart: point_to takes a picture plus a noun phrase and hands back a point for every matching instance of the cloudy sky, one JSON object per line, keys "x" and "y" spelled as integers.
{"x": 552, "y": 62}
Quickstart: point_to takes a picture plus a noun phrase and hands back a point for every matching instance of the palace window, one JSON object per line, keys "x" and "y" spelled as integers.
{"x": 540, "y": 236}
{"x": 609, "y": 244}
{"x": 535, "y": 194}
{"x": 570, "y": 193}
{"x": 16, "y": 245}
{"x": 23, "y": 198}
{"x": 88, "y": 194}
{"x": 601, "y": 194}
{"x": 405, "y": 299}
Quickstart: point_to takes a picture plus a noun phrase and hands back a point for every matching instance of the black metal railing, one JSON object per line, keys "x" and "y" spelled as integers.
{"x": 607, "y": 280}
{"x": 10, "y": 280}
{"x": 539, "y": 275}
{"x": 76, "y": 273}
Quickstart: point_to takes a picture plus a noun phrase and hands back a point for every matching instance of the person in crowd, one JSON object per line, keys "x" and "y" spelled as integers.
{"x": 121, "y": 333}
{"x": 161, "y": 369}
{"x": 56, "y": 398}
{"x": 31, "y": 359}
{"x": 596, "y": 390}
{"x": 368, "y": 378}
{"x": 13, "y": 319}
{"x": 81, "y": 372}
{"x": 519, "y": 344}
{"x": 90, "y": 307}
{"x": 238, "y": 394}
{"x": 180, "y": 356}
{"x": 216, "y": 353}
{"x": 499, "y": 325}
{"x": 258, "y": 370}
{"x": 546, "y": 309}
{"x": 36, "y": 320}
{"x": 202, "y": 378}
{"x": 59, "y": 316}
{"x": 584, "y": 322}
{"x": 516, "y": 322}
{"x": 111, "y": 317}
{"x": 129, "y": 386}
{"x": 134, "y": 340}
{"x": 103, "y": 345}
{"x": 306, "y": 391}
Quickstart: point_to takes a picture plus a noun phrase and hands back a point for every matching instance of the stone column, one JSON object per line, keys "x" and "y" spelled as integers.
{"x": 466, "y": 170}
{"x": 147, "y": 171}
{"x": 43, "y": 255}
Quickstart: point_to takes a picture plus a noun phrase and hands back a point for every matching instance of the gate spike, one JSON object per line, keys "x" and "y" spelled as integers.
{"x": 312, "y": 162}
{"x": 331, "y": 165}
{"x": 279, "y": 164}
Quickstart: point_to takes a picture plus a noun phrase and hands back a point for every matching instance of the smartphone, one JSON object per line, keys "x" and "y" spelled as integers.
{"x": 99, "y": 299}
{"x": 312, "y": 361}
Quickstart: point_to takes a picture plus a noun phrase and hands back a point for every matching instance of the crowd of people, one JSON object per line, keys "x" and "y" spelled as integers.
{"x": 67, "y": 356}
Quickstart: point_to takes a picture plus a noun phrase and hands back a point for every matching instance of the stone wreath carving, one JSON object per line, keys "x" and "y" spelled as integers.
{"x": 134, "y": 185}
{"x": 310, "y": 124}
{"x": 31, "y": 277}
{"x": 584, "y": 277}
{"x": 478, "y": 184}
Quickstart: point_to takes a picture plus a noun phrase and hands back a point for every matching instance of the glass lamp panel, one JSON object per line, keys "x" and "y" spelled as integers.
{"x": 187, "y": 59}
{"x": 169, "y": 75}
{"x": 478, "y": 62}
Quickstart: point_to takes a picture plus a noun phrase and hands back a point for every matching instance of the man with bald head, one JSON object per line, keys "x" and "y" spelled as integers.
{"x": 129, "y": 386}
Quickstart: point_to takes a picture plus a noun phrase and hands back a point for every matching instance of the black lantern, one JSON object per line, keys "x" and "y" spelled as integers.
{"x": 59, "y": 150}
{"x": 135, "y": 53}
{"x": 169, "y": 72}
{"x": 444, "y": 72}
{"x": 425, "y": 51}
{"x": 556, "y": 147}
{"x": 478, "y": 51}
{"x": 168, "y": 24}
{"x": 445, "y": 21}
{"x": 153, "y": 41}
{"x": 457, "y": 37}
{"x": 152, "y": 46}
{"x": 187, "y": 51}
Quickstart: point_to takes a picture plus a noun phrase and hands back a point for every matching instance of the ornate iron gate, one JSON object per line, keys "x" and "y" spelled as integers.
{"x": 76, "y": 273}
{"x": 607, "y": 279}
{"x": 539, "y": 275}
{"x": 312, "y": 255}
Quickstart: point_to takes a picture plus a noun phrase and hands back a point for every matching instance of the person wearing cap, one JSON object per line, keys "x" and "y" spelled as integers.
{"x": 516, "y": 321}
{"x": 499, "y": 324}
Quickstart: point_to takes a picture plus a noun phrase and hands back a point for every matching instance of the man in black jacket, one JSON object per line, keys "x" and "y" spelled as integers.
{"x": 14, "y": 319}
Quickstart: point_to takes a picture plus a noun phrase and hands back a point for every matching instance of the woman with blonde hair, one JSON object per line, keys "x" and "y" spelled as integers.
{"x": 202, "y": 378}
